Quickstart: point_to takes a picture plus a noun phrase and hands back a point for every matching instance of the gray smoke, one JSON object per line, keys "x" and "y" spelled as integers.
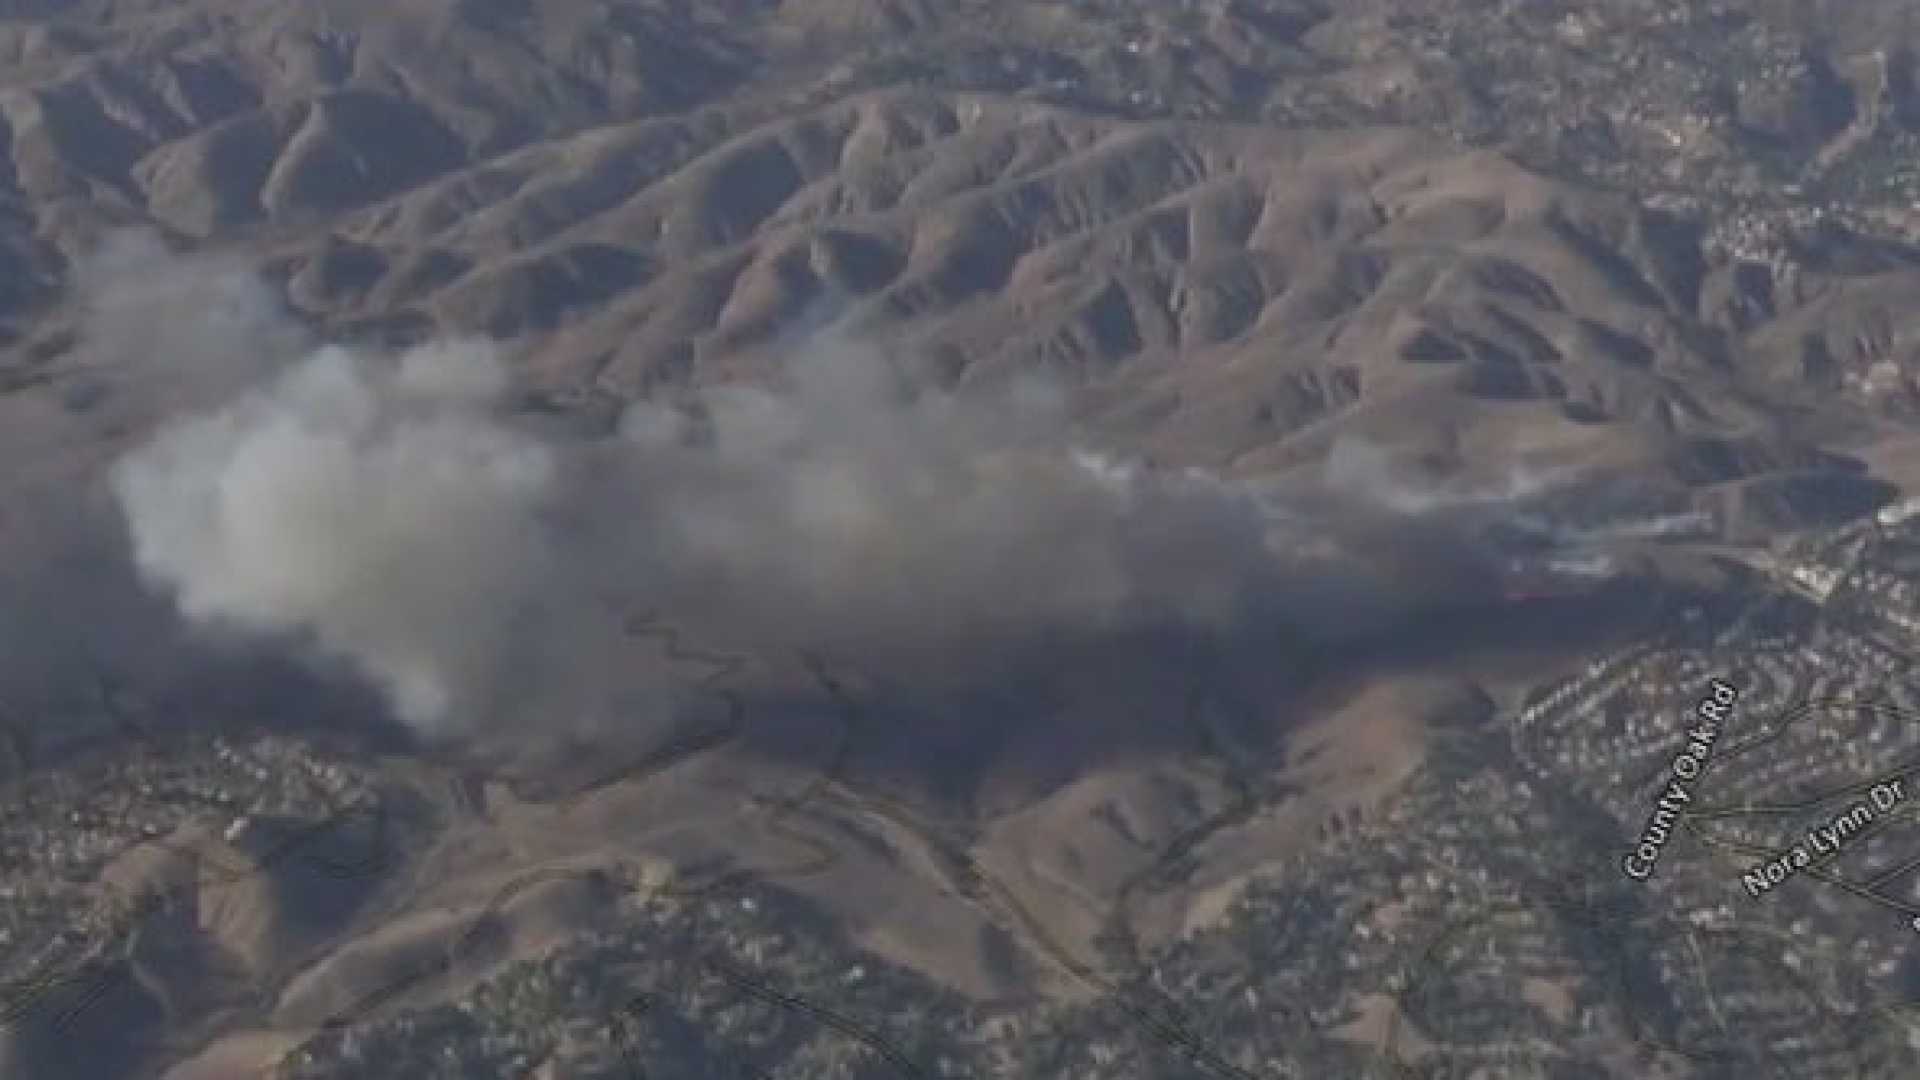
{"x": 387, "y": 509}
{"x": 855, "y": 510}
{"x": 391, "y": 511}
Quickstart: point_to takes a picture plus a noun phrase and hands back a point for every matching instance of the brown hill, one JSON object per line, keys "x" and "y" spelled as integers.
{"x": 1241, "y": 234}
{"x": 648, "y": 192}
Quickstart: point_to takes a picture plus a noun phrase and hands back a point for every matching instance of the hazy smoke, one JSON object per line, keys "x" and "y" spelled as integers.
{"x": 392, "y": 512}
{"x": 389, "y": 510}
{"x": 178, "y": 330}
{"x": 852, "y": 509}
{"x": 1369, "y": 472}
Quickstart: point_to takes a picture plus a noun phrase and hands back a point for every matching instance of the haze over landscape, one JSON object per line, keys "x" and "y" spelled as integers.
{"x": 859, "y": 538}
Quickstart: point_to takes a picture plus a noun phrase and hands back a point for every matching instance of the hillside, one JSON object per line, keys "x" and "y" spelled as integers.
{"x": 1514, "y": 329}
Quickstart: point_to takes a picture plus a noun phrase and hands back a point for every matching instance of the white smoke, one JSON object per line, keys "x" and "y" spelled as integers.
{"x": 1370, "y": 471}
{"x": 1693, "y": 523}
{"x": 377, "y": 508}
{"x": 857, "y": 510}
{"x": 391, "y": 511}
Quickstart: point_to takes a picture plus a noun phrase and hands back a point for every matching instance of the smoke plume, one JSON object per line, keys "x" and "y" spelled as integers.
{"x": 376, "y": 509}
{"x": 392, "y": 512}
{"x": 387, "y": 509}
